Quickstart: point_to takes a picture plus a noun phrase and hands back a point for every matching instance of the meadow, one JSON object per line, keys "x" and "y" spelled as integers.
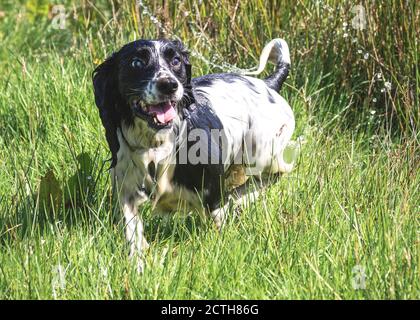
{"x": 343, "y": 225}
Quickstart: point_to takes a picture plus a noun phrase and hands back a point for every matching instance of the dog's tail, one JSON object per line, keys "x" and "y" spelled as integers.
{"x": 277, "y": 51}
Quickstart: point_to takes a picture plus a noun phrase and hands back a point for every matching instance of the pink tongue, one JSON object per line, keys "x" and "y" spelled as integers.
{"x": 163, "y": 112}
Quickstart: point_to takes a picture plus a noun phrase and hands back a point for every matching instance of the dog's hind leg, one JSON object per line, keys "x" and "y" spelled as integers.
{"x": 241, "y": 197}
{"x": 245, "y": 195}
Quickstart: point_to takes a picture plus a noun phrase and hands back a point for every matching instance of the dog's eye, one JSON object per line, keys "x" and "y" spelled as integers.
{"x": 137, "y": 63}
{"x": 176, "y": 61}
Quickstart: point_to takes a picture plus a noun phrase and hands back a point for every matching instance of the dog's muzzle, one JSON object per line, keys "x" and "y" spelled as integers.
{"x": 166, "y": 85}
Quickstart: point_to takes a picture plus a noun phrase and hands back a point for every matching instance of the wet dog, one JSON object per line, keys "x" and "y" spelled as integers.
{"x": 188, "y": 144}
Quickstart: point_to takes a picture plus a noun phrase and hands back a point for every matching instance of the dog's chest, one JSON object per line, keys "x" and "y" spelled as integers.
{"x": 147, "y": 174}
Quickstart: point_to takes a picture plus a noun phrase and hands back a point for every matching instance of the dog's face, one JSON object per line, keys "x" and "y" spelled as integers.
{"x": 151, "y": 76}
{"x": 148, "y": 76}
{"x": 145, "y": 79}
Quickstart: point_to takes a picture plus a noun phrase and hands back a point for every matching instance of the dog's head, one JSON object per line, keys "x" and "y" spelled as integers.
{"x": 145, "y": 79}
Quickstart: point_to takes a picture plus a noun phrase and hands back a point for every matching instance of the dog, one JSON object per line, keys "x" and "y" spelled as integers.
{"x": 189, "y": 144}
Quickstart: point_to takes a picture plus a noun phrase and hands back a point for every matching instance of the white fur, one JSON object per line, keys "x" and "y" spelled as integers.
{"x": 276, "y": 51}
{"x": 250, "y": 117}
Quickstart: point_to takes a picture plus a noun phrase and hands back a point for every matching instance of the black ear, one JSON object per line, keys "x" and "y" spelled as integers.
{"x": 185, "y": 57}
{"x": 106, "y": 95}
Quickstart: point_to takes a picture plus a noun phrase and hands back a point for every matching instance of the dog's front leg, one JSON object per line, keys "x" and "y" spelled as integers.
{"x": 134, "y": 233}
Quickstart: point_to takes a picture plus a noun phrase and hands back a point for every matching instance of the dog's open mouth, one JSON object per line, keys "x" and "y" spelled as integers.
{"x": 158, "y": 115}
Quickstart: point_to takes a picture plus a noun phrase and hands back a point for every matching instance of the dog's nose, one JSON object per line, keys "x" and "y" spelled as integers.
{"x": 166, "y": 85}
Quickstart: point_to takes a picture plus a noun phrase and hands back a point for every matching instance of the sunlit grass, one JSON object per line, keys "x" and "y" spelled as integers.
{"x": 352, "y": 203}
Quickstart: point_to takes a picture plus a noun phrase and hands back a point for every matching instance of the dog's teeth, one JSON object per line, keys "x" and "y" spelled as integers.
{"x": 141, "y": 106}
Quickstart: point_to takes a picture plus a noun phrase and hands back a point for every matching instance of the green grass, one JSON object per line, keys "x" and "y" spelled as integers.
{"x": 351, "y": 202}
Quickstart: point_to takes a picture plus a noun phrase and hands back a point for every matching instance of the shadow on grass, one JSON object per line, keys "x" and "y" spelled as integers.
{"x": 176, "y": 227}
{"x": 68, "y": 202}
{"x": 86, "y": 200}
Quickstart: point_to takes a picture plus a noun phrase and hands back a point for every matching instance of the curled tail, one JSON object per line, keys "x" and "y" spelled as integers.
{"x": 277, "y": 51}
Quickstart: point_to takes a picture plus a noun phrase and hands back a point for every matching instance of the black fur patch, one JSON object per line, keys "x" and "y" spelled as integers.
{"x": 206, "y": 178}
{"x": 208, "y": 80}
{"x": 276, "y": 80}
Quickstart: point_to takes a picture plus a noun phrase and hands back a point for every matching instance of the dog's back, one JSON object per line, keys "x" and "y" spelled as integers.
{"x": 256, "y": 121}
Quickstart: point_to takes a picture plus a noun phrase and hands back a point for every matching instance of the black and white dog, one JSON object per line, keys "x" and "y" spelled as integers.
{"x": 189, "y": 144}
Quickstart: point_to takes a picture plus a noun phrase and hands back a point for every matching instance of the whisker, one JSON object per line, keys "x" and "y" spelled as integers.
{"x": 134, "y": 90}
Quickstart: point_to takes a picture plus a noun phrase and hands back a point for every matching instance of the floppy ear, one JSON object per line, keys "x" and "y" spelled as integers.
{"x": 106, "y": 95}
{"x": 185, "y": 58}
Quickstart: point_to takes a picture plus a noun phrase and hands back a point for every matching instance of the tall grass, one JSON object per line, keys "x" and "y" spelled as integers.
{"x": 354, "y": 58}
{"x": 352, "y": 200}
